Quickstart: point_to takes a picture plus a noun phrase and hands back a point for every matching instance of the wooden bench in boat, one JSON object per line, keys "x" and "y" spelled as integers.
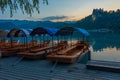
{"x": 63, "y": 51}
{"x": 40, "y": 49}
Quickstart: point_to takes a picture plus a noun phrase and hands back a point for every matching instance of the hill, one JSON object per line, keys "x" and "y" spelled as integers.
{"x": 101, "y": 19}
{"x": 9, "y": 24}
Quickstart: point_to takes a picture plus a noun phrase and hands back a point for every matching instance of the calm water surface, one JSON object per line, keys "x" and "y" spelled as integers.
{"x": 105, "y": 46}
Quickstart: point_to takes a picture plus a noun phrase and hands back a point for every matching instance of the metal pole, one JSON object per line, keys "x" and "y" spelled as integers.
{"x": 11, "y": 41}
{"x": 71, "y": 40}
{"x": 52, "y": 43}
{"x": 32, "y": 41}
{"x": 89, "y": 55}
{"x": 27, "y": 43}
{"x": 24, "y": 41}
{"x": 40, "y": 39}
{"x": 43, "y": 37}
{"x": 58, "y": 40}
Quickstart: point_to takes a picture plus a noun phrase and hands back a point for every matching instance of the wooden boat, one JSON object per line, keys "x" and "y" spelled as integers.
{"x": 43, "y": 45}
{"x": 34, "y": 55}
{"x": 10, "y": 51}
{"x": 69, "y": 55}
{"x": 36, "y": 52}
{"x": 3, "y": 42}
{"x": 41, "y": 52}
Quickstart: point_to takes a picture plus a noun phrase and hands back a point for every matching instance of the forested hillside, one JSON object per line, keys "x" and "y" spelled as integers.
{"x": 101, "y": 19}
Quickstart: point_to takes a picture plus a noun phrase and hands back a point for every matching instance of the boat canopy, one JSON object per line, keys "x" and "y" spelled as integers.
{"x": 69, "y": 31}
{"x": 83, "y": 31}
{"x": 23, "y": 32}
{"x": 65, "y": 31}
{"x": 12, "y": 32}
{"x": 51, "y": 31}
{"x": 45, "y": 30}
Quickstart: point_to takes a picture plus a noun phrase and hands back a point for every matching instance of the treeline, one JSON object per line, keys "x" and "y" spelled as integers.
{"x": 101, "y": 19}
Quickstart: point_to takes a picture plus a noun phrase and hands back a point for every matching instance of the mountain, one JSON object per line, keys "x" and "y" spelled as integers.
{"x": 100, "y": 19}
{"x": 9, "y": 24}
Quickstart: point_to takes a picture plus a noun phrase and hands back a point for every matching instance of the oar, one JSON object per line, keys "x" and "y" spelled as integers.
{"x": 18, "y": 61}
{"x": 53, "y": 67}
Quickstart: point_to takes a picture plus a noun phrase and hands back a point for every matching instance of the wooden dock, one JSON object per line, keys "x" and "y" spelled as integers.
{"x": 40, "y": 70}
{"x": 104, "y": 65}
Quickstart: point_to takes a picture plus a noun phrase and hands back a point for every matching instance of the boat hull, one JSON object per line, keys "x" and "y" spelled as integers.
{"x": 69, "y": 56}
{"x": 33, "y": 56}
{"x": 8, "y": 53}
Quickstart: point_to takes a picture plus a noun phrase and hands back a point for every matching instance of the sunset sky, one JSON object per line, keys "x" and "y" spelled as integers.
{"x": 62, "y": 10}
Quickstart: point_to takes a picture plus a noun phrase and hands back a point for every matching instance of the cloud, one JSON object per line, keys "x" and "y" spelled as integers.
{"x": 55, "y": 18}
{"x": 31, "y": 18}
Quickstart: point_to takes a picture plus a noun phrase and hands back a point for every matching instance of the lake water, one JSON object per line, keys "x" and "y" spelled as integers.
{"x": 105, "y": 46}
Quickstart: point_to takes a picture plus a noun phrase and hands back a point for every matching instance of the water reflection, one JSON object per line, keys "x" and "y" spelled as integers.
{"x": 105, "y": 46}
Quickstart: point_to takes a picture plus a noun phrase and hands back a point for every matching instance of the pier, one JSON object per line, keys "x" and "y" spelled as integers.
{"x": 40, "y": 70}
{"x": 104, "y": 65}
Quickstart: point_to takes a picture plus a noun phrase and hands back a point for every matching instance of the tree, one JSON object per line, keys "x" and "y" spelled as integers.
{"x": 26, "y": 6}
